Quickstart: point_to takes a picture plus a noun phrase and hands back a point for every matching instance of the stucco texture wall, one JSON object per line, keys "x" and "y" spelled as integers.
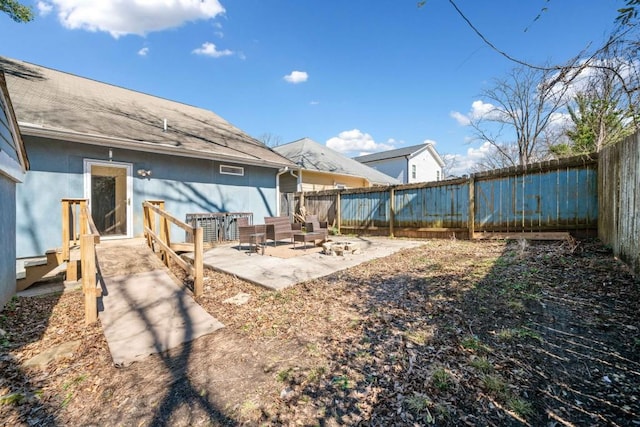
{"x": 186, "y": 185}
{"x": 7, "y": 248}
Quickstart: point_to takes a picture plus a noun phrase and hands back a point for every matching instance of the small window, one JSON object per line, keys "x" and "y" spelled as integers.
{"x": 437, "y": 175}
{"x": 231, "y": 170}
{"x": 340, "y": 186}
{"x": 413, "y": 171}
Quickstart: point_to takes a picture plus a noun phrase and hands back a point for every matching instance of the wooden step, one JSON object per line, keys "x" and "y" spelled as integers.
{"x": 38, "y": 270}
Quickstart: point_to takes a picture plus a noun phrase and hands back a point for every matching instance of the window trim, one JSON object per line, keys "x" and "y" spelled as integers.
{"x": 240, "y": 170}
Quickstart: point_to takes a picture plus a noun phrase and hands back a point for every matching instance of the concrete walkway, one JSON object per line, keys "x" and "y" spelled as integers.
{"x": 279, "y": 273}
{"x": 144, "y": 310}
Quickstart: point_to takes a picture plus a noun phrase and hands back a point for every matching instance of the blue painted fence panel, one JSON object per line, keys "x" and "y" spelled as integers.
{"x": 370, "y": 209}
{"x": 443, "y": 206}
{"x": 561, "y": 199}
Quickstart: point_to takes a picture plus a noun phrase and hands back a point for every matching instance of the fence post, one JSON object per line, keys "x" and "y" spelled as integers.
{"x": 198, "y": 278}
{"x": 338, "y": 212}
{"x": 472, "y": 206}
{"x": 392, "y": 210}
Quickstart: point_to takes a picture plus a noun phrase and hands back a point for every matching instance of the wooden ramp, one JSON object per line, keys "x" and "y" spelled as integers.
{"x": 144, "y": 309}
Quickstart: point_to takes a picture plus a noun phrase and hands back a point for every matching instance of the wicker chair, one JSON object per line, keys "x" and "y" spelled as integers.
{"x": 312, "y": 225}
{"x": 246, "y": 232}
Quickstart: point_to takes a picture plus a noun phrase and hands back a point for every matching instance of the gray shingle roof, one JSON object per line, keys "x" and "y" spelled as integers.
{"x": 399, "y": 152}
{"x": 51, "y": 100}
{"x": 310, "y": 155}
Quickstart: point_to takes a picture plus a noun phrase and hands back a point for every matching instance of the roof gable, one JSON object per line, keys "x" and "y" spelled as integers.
{"x": 310, "y": 155}
{"x": 47, "y": 100}
{"x": 409, "y": 152}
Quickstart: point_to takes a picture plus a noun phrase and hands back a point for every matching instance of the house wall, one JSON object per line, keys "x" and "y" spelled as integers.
{"x": 7, "y": 231}
{"x": 427, "y": 168}
{"x": 314, "y": 181}
{"x": 186, "y": 185}
{"x": 396, "y": 167}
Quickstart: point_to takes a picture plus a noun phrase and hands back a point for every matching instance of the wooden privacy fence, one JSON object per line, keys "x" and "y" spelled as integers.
{"x": 548, "y": 196}
{"x": 619, "y": 203}
{"x": 78, "y": 227}
{"x": 157, "y": 231}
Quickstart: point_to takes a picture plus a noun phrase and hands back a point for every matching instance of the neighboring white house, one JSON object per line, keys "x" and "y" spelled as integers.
{"x": 13, "y": 166}
{"x": 418, "y": 163}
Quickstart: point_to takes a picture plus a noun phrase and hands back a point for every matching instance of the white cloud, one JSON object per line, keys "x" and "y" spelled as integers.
{"x": 123, "y": 17}
{"x": 463, "y": 163}
{"x": 314, "y": 103}
{"x": 209, "y": 49}
{"x": 350, "y": 141}
{"x": 479, "y": 110}
{"x": 44, "y": 8}
{"x": 297, "y": 77}
{"x": 219, "y": 34}
{"x": 144, "y": 51}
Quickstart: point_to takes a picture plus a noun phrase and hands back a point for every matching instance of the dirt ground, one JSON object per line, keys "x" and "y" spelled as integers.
{"x": 450, "y": 333}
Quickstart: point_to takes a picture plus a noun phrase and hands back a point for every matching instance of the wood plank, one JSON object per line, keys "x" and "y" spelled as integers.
{"x": 526, "y": 236}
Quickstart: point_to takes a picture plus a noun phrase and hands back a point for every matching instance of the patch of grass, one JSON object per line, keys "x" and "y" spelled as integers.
{"x": 341, "y": 381}
{"x": 313, "y": 349}
{"x": 520, "y": 407}
{"x": 482, "y": 364}
{"x": 419, "y": 405}
{"x": 249, "y": 409}
{"x": 315, "y": 374}
{"x": 418, "y": 336}
{"x": 474, "y": 343}
{"x": 494, "y": 385}
{"x": 516, "y": 305}
{"x": 284, "y": 375}
{"x": 441, "y": 379}
{"x": 12, "y": 399}
{"x": 518, "y": 333}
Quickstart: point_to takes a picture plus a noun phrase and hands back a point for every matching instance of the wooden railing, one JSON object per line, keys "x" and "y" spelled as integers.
{"x": 157, "y": 232}
{"x": 78, "y": 227}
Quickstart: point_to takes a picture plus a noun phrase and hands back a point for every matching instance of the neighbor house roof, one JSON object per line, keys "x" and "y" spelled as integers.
{"x": 310, "y": 155}
{"x": 63, "y": 106}
{"x": 401, "y": 152}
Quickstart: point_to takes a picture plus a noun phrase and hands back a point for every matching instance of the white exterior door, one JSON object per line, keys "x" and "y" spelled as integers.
{"x": 108, "y": 187}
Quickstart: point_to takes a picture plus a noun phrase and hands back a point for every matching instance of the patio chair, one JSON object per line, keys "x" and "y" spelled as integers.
{"x": 249, "y": 233}
{"x": 280, "y": 227}
{"x": 312, "y": 225}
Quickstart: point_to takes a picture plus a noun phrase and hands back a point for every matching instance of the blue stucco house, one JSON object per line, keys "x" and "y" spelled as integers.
{"x": 118, "y": 147}
{"x": 13, "y": 166}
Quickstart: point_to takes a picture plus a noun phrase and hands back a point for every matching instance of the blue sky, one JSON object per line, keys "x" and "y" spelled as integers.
{"x": 363, "y": 75}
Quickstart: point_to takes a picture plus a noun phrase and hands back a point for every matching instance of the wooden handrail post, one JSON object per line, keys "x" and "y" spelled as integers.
{"x": 88, "y": 256}
{"x": 65, "y": 230}
{"x": 83, "y": 218}
{"x": 198, "y": 279}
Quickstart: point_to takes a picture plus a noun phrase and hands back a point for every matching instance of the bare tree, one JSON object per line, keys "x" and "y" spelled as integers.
{"x": 520, "y": 114}
{"x": 270, "y": 140}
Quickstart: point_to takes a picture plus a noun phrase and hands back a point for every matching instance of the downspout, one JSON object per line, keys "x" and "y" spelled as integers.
{"x": 408, "y": 171}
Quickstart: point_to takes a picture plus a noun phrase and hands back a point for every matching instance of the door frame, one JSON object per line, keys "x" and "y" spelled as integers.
{"x": 87, "y": 191}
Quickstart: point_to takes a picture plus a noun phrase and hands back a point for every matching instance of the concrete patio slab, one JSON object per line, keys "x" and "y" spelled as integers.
{"x": 279, "y": 273}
